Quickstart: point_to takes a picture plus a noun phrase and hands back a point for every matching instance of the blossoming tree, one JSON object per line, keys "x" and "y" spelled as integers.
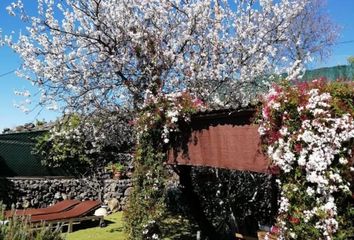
{"x": 102, "y": 54}
{"x": 94, "y": 54}
{"x": 84, "y": 146}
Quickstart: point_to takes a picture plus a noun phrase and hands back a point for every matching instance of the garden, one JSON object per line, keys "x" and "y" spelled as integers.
{"x": 180, "y": 120}
{"x": 306, "y": 131}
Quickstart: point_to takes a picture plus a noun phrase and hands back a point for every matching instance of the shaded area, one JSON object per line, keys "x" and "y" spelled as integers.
{"x": 5, "y": 170}
{"x": 8, "y": 193}
{"x": 192, "y": 199}
{"x": 223, "y": 202}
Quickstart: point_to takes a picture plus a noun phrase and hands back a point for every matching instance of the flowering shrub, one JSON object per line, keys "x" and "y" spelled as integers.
{"x": 156, "y": 125}
{"x": 308, "y": 133}
{"x": 164, "y": 111}
{"x": 82, "y": 144}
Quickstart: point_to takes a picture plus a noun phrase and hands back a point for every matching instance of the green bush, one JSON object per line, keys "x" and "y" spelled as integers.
{"x": 147, "y": 214}
{"x": 85, "y": 144}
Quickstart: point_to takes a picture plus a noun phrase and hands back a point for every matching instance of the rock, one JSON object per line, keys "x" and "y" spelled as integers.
{"x": 106, "y": 196}
{"x": 82, "y": 196}
{"x": 43, "y": 192}
{"x": 129, "y": 174}
{"x": 34, "y": 202}
{"x": 57, "y": 195}
{"x": 117, "y": 194}
{"x": 124, "y": 204}
{"x": 64, "y": 196}
{"x": 47, "y": 196}
{"x": 25, "y": 204}
{"x": 113, "y": 186}
{"x": 128, "y": 191}
{"x": 113, "y": 204}
{"x": 70, "y": 195}
{"x": 29, "y": 126}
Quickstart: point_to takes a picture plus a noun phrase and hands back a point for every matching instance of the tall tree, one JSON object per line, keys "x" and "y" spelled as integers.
{"x": 91, "y": 54}
{"x": 311, "y": 34}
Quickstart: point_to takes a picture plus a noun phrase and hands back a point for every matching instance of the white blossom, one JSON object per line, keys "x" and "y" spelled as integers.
{"x": 322, "y": 138}
{"x": 104, "y": 54}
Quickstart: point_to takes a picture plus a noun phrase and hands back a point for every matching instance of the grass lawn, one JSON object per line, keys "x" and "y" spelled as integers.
{"x": 174, "y": 228}
{"x": 114, "y": 230}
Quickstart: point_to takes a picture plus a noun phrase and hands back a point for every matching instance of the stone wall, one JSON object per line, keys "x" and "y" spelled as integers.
{"x": 41, "y": 192}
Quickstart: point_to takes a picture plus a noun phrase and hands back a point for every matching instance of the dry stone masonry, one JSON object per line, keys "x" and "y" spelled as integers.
{"x": 41, "y": 192}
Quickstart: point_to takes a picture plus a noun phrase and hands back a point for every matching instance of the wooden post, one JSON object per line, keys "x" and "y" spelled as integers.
{"x": 70, "y": 226}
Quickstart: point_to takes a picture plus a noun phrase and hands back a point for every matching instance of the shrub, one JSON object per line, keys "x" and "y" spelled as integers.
{"x": 84, "y": 145}
{"x": 308, "y": 133}
{"x": 156, "y": 127}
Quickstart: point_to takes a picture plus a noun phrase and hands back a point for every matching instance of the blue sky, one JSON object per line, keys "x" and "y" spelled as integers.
{"x": 341, "y": 12}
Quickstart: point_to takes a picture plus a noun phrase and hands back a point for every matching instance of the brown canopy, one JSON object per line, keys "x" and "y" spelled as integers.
{"x": 224, "y": 141}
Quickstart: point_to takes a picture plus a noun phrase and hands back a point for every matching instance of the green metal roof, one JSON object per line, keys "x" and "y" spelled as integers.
{"x": 17, "y": 159}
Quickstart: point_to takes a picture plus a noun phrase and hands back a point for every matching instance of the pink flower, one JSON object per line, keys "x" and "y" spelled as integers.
{"x": 303, "y": 87}
{"x": 266, "y": 112}
{"x": 298, "y": 147}
{"x": 294, "y": 220}
{"x": 273, "y": 169}
{"x": 197, "y": 102}
{"x": 132, "y": 122}
{"x": 274, "y": 136}
{"x": 278, "y": 88}
{"x": 275, "y": 229}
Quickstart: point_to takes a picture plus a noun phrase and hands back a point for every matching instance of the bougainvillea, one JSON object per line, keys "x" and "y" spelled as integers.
{"x": 308, "y": 133}
{"x": 156, "y": 125}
